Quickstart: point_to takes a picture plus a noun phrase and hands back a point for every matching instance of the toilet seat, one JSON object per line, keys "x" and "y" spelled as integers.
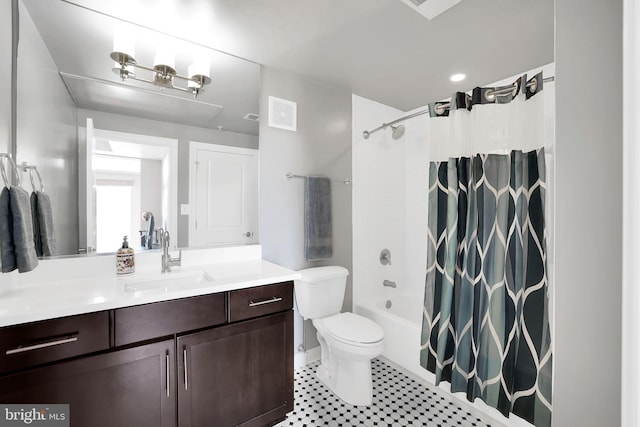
{"x": 351, "y": 328}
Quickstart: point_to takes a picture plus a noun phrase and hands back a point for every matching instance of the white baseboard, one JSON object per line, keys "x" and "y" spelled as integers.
{"x": 305, "y": 357}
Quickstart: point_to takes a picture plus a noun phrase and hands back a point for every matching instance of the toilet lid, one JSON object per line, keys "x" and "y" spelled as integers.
{"x": 351, "y": 327}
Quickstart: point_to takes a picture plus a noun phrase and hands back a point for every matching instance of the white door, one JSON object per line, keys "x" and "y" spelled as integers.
{"x": 223, "y": 195}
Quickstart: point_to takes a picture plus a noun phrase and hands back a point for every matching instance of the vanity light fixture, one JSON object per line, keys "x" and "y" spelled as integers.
{"x": 163, "y": 71}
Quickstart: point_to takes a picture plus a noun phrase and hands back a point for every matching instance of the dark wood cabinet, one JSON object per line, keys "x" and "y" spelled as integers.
{"x": 35, "y": 343}
{"x": 237, "y": 375}
{"x": 133, "y": 387}
{"x": 254, "y": 302}
{"x": 223, "y": 359}
{"x": 143, "y": 322}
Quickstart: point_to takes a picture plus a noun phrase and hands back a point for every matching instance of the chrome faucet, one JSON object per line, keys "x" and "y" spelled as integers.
{"x": 389, "y": 284}
{"x": 167, "y": 261}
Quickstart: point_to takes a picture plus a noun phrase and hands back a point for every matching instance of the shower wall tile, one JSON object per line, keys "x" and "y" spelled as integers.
{"x": 379, "y": 200}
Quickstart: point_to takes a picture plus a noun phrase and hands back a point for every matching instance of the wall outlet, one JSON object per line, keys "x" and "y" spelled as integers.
{"x": 185, "y": 209}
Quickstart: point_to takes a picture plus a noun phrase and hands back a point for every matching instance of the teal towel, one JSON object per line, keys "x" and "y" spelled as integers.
{"x": 318, "y": 224}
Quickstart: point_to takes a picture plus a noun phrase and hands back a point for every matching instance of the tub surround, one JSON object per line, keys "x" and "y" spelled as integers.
{"x": 71, "y": 286}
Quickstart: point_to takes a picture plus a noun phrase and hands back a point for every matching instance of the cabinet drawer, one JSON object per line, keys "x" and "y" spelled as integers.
{"x": 254, "y": 302}
{"x": 144, "y": 322}
{"x": 22, "y": 346}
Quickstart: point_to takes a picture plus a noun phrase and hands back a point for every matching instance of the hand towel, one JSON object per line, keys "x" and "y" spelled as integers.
{"x": 318, "y": 225}
{"x": 37, "y": 241}
{"x": 25, "y": 251}
{"x": 45, "y": 224}
{"x": 7, "y": 248}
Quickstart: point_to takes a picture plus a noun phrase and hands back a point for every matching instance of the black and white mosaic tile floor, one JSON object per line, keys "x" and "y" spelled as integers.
{"x": 397, "y": 401}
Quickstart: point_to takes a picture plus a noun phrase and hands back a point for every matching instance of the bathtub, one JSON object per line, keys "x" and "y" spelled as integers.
{"x": 400, "y": 316}
{"x": 402, "y": 324}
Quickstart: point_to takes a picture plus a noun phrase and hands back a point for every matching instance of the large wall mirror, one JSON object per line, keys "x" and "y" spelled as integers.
{"x": 110, "y": 149}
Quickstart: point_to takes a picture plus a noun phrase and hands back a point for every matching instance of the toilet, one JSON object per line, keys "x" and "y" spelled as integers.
{"x": 348, "y": 341}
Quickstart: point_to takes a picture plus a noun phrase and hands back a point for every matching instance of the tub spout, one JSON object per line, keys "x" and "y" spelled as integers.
{"x": 389, "y": 284}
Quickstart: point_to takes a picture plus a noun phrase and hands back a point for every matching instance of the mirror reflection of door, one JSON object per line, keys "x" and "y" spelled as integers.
{"x": 118, "y": 201}
{"x": 127, "y": 175}
{"x": 223, "y": 195}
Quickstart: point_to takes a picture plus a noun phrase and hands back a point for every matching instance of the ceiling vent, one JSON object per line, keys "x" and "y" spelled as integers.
{"x": 253, "y": 117}
{"x": 431, "y": 8}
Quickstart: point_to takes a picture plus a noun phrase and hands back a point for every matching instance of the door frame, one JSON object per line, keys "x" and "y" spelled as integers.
{"x": 195, "y": 146}
{"x": 169, "y": 172}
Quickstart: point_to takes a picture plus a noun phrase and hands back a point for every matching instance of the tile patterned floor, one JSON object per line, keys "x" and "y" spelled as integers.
{"x": 398, "y": 401}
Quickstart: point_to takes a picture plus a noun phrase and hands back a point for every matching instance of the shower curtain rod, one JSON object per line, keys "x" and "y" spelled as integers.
{"x": 441, "y": 107}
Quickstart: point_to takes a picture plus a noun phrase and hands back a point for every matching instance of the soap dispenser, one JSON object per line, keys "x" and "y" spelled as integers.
{"x": 125, "y": 261}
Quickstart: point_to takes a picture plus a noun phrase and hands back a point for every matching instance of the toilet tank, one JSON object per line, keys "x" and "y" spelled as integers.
{"x": 320, "y": 291}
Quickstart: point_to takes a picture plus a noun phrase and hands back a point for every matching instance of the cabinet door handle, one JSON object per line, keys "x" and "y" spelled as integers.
{"x": 42, "y": 345}
{"x": 167, "y": 372}
{"x": 268, "y": 301}
{"x": 186, "y": 372}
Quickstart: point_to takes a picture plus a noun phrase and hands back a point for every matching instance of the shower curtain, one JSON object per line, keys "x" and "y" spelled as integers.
{"x": 485, "y": 324}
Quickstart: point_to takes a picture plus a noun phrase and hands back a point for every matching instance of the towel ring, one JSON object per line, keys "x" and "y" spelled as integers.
{"x": 29, "y": 168}
{"x": 3, "y": 170}
{"x": 35, "y": 169}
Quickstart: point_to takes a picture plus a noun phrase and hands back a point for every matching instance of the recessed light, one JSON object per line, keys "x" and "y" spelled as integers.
{"x": 458, "y": 77}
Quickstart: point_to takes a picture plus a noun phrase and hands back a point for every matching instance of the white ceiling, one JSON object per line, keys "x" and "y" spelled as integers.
{"x": 379, "y": 49}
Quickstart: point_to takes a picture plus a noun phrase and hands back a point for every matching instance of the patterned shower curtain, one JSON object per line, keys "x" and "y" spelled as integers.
{"x": 485, "y": 324}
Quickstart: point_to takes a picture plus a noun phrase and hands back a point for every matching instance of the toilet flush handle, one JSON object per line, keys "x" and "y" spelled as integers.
{"x": 385, "y": 257}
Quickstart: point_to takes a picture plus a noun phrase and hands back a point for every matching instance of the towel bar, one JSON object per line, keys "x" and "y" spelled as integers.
{"x": 345, "y": 181}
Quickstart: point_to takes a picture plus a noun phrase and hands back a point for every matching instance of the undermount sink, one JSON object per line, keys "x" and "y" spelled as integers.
{"x": 171, "y": 280}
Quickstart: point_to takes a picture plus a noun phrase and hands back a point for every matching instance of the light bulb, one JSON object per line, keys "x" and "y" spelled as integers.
{"x": 124, "y": 40}
{"x": 164, "y": 56}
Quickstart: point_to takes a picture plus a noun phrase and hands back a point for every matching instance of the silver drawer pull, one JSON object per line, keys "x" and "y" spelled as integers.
{"x": 41, "y": 345}
{"x": 167, "y": 373}
{"x": 268, "y": 301}
{"x": 186, "y": 372}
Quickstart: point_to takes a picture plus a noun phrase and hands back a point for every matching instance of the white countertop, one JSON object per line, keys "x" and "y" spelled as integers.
{"x": 61, "y": 290}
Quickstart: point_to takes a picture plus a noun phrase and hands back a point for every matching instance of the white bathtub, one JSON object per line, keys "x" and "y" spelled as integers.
{"x": 402, "y": 324}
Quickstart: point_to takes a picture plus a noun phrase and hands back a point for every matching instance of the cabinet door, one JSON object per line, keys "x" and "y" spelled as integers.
{"x": 133, "y": 387}
{"x": 237, "y": 375}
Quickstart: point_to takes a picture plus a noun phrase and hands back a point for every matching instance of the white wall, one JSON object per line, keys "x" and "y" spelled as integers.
{"x": 46, "y": 131}
{"x": 321, "y": 145}
{"x": 5, "y": 70}
{"x": 183, "y": 134}
{"x": 588, "y": 213}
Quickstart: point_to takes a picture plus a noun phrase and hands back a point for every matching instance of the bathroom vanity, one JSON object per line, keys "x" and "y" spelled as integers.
{"x": 221, "y": 356}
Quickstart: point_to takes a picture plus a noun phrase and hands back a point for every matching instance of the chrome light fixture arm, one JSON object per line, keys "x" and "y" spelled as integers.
{"x": 163, "y": 75}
